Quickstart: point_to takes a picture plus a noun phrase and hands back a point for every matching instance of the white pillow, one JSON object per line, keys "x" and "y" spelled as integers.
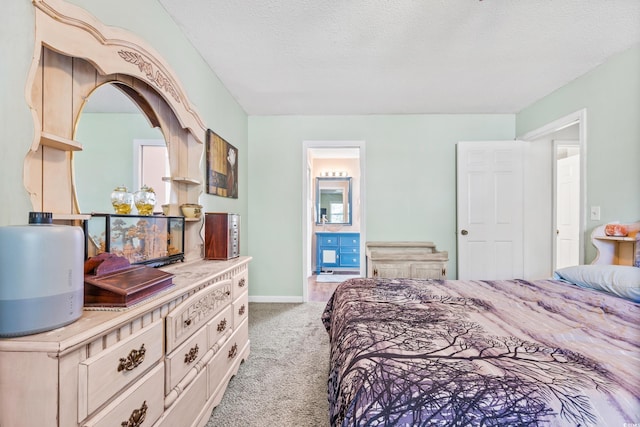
{"x": 620, "y": 280}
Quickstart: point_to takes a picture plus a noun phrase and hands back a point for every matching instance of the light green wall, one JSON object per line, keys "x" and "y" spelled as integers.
{"x": 106, "y": 160}
{"x": 16, "y": 122}
{"x": 410, "y": 183}
{"x": 611, "y": 95}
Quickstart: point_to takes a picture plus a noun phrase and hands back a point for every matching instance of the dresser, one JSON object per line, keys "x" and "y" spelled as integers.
{"x": 414, "y": 260}
{"x": 337, "y": 251}
{"x": 166, "y": 361}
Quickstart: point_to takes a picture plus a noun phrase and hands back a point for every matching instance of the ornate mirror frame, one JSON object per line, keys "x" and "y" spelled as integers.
{"x": 74, "y": 54}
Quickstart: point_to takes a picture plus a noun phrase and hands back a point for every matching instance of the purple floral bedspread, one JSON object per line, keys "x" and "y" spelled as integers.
{"x": 481, "y": 353}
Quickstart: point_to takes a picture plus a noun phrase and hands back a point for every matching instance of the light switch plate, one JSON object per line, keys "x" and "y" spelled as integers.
{"x": 595, "y": 213}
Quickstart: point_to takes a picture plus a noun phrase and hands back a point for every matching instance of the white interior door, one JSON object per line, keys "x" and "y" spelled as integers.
{"x": 150, "y": 165}
{"x": 490, "y": 183}
{"x": 568, "y": 211}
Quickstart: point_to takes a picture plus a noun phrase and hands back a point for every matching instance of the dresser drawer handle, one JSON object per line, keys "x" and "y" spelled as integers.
{"x": 222, "y": 325}
{"x": 233, "y": 351}
{"x": 192, "y": 355}
{"x": 133, "y": 360}
{"x": 241, "y": 310}
{"x": 227, "y": 293}
{"x": 242, "y": 282}
{"x": 137, "y": 417}
{"x": 188, "y": 322}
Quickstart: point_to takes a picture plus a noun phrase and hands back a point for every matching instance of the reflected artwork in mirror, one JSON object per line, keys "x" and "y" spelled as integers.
{"x": 333, "y": 200}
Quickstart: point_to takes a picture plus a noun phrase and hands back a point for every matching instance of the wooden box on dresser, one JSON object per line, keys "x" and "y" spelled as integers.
{"x": 165, "y": 362}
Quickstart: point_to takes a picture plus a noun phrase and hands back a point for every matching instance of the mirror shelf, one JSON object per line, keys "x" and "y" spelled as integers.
{"x": 59, "y": 143}
{"x": 192, "y": 219}
{"x": 181, "y": 179}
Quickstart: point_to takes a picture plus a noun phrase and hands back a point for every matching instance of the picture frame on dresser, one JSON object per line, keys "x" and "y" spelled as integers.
{"x": 221, "y": 166}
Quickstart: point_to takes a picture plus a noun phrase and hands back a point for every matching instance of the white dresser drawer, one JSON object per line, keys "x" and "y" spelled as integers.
{"x": 240, "y": 309}
{"x": 195, "y": 312}
{"x": 142, "y": 401}
{"x": 103, "y": 375}
{"x": 220, "y": 325}
{"x": 188, "y": 407}
{"x": 224, "y": 359}
{"x": 240, "y": 283}
{"x": 182, "y": 359}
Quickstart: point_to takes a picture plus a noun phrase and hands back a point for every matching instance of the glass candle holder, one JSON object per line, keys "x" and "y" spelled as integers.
{"x": 121, "y": 200}
{"x": 145, "y": 200}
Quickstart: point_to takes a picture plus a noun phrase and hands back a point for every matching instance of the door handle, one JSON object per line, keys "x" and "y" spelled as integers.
{"x": 464, "y": 232}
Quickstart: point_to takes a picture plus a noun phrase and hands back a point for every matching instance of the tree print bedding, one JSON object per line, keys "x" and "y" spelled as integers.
{"x": 481, "y": 353}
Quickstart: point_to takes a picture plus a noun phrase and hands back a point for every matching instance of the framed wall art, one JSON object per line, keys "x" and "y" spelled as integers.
{"x": 222, "y": 166}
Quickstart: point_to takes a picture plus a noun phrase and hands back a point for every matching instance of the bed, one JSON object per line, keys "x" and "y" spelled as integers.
{"x": 482, "y": 353}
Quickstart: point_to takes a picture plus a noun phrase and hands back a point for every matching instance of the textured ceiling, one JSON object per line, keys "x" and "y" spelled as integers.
{"x": 402, "y": 56}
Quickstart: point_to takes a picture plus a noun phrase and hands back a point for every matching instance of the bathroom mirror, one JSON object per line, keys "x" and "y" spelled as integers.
{"x": 333, "y": 200}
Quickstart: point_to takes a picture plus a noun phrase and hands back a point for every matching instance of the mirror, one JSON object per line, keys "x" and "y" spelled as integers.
{"x": 333, "y": 201}
{"x": 117, "y": 140}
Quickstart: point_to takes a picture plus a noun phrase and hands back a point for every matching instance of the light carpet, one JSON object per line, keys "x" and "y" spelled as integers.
{"x": 334, "y": 278}
{"x": 284, "y": 380}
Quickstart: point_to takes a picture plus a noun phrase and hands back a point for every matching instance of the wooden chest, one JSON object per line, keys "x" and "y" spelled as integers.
{"x": 413, "y": 260}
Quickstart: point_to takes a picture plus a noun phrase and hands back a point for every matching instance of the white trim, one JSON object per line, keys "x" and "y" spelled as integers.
{"x": 287, "y": 299}
{"x": 307, "y": 220}
{"x": 579, "y": 117}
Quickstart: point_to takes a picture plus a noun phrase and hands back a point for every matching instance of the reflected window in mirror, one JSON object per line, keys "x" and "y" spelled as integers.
{"x": 333, "y": 200}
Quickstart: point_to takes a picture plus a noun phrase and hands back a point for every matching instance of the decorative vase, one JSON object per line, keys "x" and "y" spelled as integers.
{"x": 145, "y": 200}
{"x": 191, "y": 210}
{"x": 121, "y": 200}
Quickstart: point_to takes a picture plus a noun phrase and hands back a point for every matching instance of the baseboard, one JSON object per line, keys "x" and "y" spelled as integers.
{"x": 336, "y": 271}
{"x": 287, "y": 299}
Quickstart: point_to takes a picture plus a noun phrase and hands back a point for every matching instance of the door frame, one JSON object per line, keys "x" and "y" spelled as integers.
{"x": 307, "y": 212}
{"x": 580, "y": 118}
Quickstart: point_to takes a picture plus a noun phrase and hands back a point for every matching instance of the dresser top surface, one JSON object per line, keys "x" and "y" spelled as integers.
{"x": 95, "y": 322}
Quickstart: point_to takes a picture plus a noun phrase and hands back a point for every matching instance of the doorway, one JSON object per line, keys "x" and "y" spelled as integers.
{"x": 325, "y": 158}
{"x": 560, "y": 234}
